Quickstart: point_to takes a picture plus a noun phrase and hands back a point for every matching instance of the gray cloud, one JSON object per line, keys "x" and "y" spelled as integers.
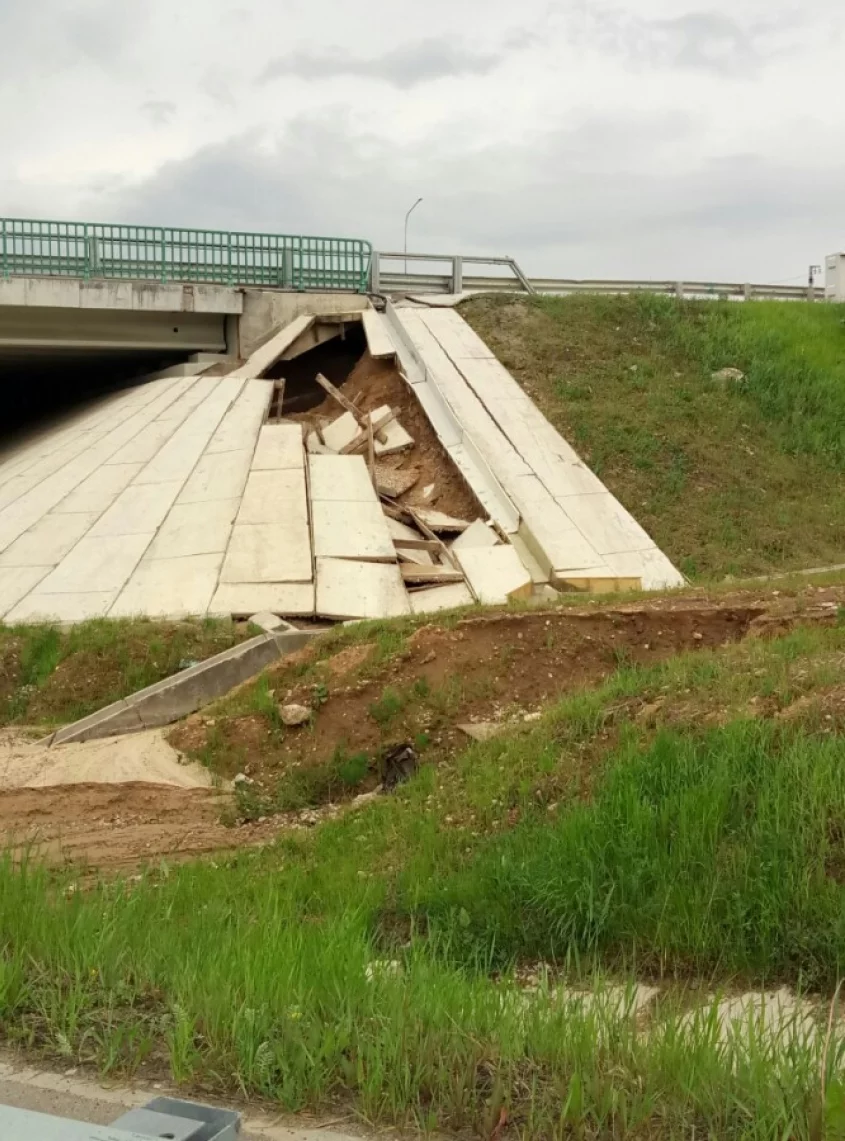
{"x": 159, "y": 111}
{"x": 703, "y": 41}
{"x": 405, "y": 66}
{"x": 218, "y": 89}
{"x": 549, "y": 201}
{"x": 55, "y": 36}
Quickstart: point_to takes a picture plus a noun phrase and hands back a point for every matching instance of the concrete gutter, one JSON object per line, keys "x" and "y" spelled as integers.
{"x": 81, "y": 1098}
{"x": 175, "y": 697}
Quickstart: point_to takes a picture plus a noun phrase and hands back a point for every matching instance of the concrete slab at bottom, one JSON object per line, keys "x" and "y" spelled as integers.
{"x": 169, "y": 588}
{"x": 599, "y": 583}
{"x": 496, "y": 574}
{"x": 16, "y": 582}
{"x": 38, "y": 607}
{"x": 351, "y": 530}
{"x": 440, "y": 598}
{"x": 269, "y": 553}
{"x": 652, "y": 566}
{"x": 347, "y": 589}
{"x": 241, "y": 599}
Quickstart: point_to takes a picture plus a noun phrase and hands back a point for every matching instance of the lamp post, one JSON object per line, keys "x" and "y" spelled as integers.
{"x": 407, "y": 217}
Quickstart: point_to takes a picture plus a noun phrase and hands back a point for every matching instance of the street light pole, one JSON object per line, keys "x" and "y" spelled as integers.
{"x": 407, "y": 217}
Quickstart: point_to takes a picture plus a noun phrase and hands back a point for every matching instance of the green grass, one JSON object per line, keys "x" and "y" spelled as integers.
{"x": 51, "y": 675}
{"x": 697, "y": 848}
{"x": 727, "y": 857}
{"x": 729, "y": 479}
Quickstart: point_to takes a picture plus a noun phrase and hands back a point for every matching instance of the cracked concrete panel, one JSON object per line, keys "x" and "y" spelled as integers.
{"x": 97, "y": 564}
{"x": 195, "y": 529}
{"x": 48, "y": 541}
{"x": 272, "y": 553}
{"x": 138, "y": 510}
{"x": 16, "y": 582}
{"x": 347, "y": 589}
{"x": 169, "y": 588}
{"x": 38, "y": 607}
{"x": 99, "y": 490}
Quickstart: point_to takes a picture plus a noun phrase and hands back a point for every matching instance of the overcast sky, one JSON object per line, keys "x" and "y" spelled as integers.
{"x": 642, "y": 138}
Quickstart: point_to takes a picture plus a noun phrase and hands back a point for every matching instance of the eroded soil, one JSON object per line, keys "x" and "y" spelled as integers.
{"x": 491, "y": 666}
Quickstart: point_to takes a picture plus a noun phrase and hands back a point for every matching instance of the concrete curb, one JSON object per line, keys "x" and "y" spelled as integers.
{"x": 175, "y": 697}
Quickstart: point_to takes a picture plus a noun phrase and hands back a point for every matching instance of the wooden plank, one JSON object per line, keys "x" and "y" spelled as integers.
{"x": 279, "y": 397}
{"x": 345, "y": 403}
{"x": 394, "y": 511}
{"x": 600, "y": 584}
{"x": 419, "y": 544}
{"x": 415, "y": 558}
{"x": 446, "y": 555}
{"x": 371, "y": 451}
{"x": 414, "y": 572}
{"x": 378, "y": 424}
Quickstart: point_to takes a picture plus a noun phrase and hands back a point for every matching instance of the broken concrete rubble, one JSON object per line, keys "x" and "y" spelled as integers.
{"x": 495, "y": 574}
{"x": 479, "y": 534}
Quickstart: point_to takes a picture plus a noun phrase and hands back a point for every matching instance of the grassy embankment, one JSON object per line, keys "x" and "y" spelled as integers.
{"x": 50, "y": 675}
{"x": 730, "y": 479}
{"x": 682, "y": 823}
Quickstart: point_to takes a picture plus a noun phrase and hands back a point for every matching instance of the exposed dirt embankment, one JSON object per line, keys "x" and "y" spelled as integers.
{"x": 497, "y": 666}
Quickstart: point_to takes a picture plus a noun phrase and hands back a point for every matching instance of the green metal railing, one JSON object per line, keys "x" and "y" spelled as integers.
{"x": 151, "y": 253}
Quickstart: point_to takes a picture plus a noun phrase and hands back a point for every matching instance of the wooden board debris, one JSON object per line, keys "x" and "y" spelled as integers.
{"x": 600, "y": 584}
{"x": 417, "y": 573}
{"x": 376, "y": 421}
{"x": 342, "y": 400}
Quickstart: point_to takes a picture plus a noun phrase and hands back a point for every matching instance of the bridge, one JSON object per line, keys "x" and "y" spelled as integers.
{"x": 83, "y": 288}
{"x": 96, "y": 295}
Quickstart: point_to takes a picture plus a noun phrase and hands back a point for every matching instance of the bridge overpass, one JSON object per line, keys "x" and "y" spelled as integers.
{"x": 96, "y": 290}
{"x": 105, "y": 295}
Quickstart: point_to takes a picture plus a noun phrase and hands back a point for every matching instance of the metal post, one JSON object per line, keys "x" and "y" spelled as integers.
{"x": 407, "y": 216}
{"x": 679, "y": 289}
{"x": 93, "y": 255}
{"x": 457, "y": 274}
{"x": 746, "y": 291}
{"x": 811, "y": 291}
{"x": 287, "y": 267}
{"x": 375, "y": 273}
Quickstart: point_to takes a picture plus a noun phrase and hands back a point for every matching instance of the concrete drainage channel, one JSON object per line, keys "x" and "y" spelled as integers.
{"x": 176, "y": 697}
{"x": 163, "y": 1117}
{"x": 37, "y": 1105}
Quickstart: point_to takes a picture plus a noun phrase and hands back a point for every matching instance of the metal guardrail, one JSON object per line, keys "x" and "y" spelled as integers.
{"x": 166, "y": 254}
{"x": 453, "y": 280}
